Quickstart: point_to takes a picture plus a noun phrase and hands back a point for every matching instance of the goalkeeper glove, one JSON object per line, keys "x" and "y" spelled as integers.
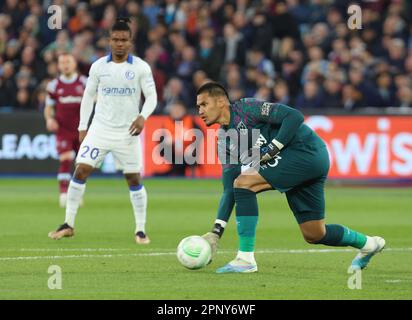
{"x": 262, "y": 154}
{"x": 268, "y": 152}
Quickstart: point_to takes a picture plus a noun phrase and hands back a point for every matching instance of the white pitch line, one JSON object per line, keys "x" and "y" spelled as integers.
{"x": 85, "y": 256}
{"x": 267, "y": 251}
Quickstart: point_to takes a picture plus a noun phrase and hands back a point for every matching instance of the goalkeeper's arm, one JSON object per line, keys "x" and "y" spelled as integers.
{"x": 289, "y": 120}
{"x": 227, "y": 202}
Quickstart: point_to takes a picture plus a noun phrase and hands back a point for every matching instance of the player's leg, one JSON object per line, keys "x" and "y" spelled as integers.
{"x": 138, "y": 198}
{"x": 308, "y": 204}
{"x": 246, "y": 186}
{"x": 64, "y": 175}
{"x": 76, "y": 189}
{"x": 65, "y": 149}
{"x": 127, "y": 154}
{"x": 90, "y": 155}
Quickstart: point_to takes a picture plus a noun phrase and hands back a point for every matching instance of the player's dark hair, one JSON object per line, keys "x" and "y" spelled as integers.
{"x": 214, "y": 89}
{"x": 122, "y": 24}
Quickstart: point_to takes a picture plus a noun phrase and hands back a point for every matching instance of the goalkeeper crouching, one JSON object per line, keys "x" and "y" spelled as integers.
{"x": 286, "y": 156}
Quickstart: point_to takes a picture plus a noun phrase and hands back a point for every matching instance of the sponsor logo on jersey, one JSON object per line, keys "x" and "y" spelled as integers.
{"x": 265, "y": 109}
{"x": 118, "y": 91}
{"x": 260, "y": 141}
{"x": 129, "y": 75}
{"x": 70, "y": 99}
{"x": 241, "y": 127}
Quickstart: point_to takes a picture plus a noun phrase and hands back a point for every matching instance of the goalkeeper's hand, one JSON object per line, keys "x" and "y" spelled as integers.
{"x": 256, "y": 155}
{"x": 213, "y": 240}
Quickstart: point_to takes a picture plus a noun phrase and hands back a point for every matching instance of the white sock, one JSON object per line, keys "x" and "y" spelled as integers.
{"x": 247, "y": 256}
{"x": 74, "y": 196}
{"x": 138, "y": 198}
{"x": 369, "y": 245}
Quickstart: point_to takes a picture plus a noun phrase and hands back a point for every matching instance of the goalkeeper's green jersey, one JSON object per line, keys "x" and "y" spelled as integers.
{"x": 274, "y": 121}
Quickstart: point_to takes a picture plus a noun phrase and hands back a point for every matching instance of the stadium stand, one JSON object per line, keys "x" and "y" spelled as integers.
{"x": 298, "y": 52}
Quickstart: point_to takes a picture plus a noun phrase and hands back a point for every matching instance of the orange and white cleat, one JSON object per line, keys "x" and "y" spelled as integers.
{"x": 64, "y": 231}
{"x": 142, "y": 238}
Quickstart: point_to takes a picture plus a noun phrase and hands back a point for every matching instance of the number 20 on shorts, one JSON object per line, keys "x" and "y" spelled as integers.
{"x": 94, "y": 152}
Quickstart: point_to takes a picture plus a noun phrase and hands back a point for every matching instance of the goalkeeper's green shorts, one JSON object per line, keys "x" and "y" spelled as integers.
{"x": 300, "y": 171}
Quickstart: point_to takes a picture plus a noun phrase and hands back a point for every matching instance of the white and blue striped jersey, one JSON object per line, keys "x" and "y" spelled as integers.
{"x": 118, "y": 88}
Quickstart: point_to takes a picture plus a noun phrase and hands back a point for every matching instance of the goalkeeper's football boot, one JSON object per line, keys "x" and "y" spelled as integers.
{"x": 142, "y": 238}
{"x": 63, "y": 231}
{"x": 238, "y": 266}
{"x": 364, "y": 256}
{"x": 213, "y": 240}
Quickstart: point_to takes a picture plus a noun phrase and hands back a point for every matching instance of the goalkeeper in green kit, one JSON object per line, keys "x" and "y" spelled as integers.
{"x": 281, "y": 153}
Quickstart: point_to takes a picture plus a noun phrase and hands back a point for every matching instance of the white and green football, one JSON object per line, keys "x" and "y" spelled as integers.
{"x": 194, "y": 252}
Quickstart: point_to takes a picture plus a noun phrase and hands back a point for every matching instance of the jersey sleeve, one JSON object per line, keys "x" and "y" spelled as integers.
{"x": 149, "y": 91}
{"x": 51, "y": 93}
{"x": 86, "y": 107}
{"x": 288, "y": 119}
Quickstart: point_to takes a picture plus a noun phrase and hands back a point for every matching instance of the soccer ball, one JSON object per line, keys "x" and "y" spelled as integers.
{"x": 194, "y": 252}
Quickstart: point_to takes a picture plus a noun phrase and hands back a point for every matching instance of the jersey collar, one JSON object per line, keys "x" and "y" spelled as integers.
{"x": 231, "y": 120}
{"x": 129, "y": 58}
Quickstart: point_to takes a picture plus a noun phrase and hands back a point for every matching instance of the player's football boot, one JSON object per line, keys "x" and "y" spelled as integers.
{"x": 63, "y": 231}
{"x": 364, "y": 256}
{"x": 238, "y": 266}
{"x": 142, "y": 238}
{"x": 213, "y": 240}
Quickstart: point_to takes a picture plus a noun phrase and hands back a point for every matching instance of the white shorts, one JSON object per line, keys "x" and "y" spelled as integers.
{"x": 126, "y": 150}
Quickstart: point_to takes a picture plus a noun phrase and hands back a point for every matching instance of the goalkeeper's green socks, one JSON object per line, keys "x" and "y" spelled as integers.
{"x": 341, "y": 236}
{"x": 246, "y": 220}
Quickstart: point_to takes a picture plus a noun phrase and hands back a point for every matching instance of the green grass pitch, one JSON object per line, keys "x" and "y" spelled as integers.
{"x": 103, "y": 262}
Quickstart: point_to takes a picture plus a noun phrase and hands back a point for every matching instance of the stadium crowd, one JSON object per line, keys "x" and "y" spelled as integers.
{"x": 298, "y": 52}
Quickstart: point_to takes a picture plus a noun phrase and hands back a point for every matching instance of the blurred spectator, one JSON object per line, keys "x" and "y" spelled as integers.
{"x": 284, "y": 23}
{"x": 210, "y": 57}
{"x": 8, "y": 84}
{"x": 199, "y": 79}
{"x": 174, "y": 92}
{"x": 62, "y": 44}
{"x": 281, "y": 93}
{"x": 258, "y": 60}
{"x": 23, "y": 99}
{"x": 397, "y": 54}
{"x": 262, "y": 33}
{"x": 386, "y": 89}
{"x": 405, "y": 97}
{"x": 188, "y": 64}
{"x": 311, "y": 96}
{"x": 234, "y": 46}
{"x": 369, "y": 95}
{"x": 351, "y": 97}
{"x": 332, "y": 97}
{"x": 259, "y": 48}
